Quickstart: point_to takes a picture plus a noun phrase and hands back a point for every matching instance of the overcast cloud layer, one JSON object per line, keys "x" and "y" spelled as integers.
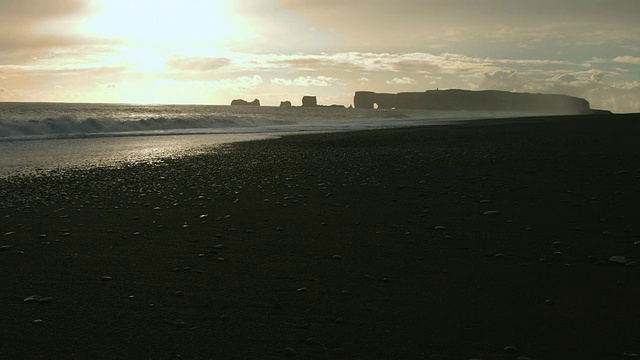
{"x": 281, "y": 50}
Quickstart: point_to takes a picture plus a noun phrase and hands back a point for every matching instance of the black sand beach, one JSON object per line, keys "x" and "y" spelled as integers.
{"x": 488, "y": 240}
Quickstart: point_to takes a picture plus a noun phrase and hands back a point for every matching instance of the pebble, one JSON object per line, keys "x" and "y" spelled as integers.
{"x": 510, "y": 349}
{"x": 106, "y": 278}
{"x": 31, "y": 299}
{"x": 618, "y": 259}
{"x": 302, "y": 289}
{"x": 37, "y": 322}
{"x": 492, "y": 212}
{"x": 220, "y": 246}
{"x": 9, "y": 233}
{"x": 6, "y": 247}
{"x": 440, "y": 227}
{"x": 337, "y": 257}
{"x": 485, "y": 201}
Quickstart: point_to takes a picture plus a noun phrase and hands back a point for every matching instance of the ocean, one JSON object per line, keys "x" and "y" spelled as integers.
{"x": 39, "y": 137}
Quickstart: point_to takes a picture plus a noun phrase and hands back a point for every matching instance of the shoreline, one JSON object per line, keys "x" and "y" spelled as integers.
{"x": 447, "y": 242}
{"x": 58, "y": 157}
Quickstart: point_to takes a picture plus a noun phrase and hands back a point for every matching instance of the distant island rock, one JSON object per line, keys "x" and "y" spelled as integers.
{"x": 487, "y": 100}
{"x": 286, "y": 104}
{"x": 241, "y": 102}
{"x": 309, "y": 101}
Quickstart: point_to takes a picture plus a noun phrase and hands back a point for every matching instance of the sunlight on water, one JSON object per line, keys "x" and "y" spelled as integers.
{"x": 20, "y": 157}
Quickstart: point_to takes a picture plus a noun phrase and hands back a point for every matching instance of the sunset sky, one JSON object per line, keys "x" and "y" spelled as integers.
{"x": 213, "y": 51}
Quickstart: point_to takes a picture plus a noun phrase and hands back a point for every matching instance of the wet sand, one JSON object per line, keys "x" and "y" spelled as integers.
{"x": 487, "y": 240}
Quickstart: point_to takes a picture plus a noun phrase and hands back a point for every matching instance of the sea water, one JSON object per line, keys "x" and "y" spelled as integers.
{"x": 45, "y": 136}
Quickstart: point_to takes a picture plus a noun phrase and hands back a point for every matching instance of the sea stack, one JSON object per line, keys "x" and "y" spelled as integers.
{"x": 241, "y": 102}
{"x": 309, "y": 101}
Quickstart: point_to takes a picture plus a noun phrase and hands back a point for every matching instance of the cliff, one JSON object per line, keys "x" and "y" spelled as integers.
{"x": 488, "y": 100}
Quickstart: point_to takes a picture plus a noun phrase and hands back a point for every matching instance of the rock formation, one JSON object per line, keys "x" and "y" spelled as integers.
{"x": 309, "y": 101}
{"x": 488, "y": 100}
{"x": 241, "y": 102}
{"x": 285, "y": 103}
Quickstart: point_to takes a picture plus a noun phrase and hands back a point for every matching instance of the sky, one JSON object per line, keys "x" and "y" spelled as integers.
{"x": 214, "y": 51}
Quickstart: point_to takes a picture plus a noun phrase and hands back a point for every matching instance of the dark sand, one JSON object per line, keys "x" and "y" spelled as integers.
{"x": 331, "y": 248}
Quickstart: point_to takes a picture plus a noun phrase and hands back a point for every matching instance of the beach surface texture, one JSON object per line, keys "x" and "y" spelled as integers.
{"x": 504, "y": 239}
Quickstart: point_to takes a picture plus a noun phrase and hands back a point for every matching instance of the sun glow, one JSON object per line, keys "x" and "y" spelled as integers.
{"x": 163, "y": 21}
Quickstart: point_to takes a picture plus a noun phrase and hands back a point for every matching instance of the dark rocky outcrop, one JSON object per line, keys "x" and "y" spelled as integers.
{"x": 488, "y": 100}
{"x": 285, "y": 104}
{"x": 241, "y": 102}
{"x": 309, "y": 101}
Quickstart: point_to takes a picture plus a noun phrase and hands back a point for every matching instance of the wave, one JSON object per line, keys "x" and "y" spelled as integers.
{"x": 29, "y": 121}
{"x": 66, "y": 126}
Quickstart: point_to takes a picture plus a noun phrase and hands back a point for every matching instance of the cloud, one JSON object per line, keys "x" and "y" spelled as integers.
{"x": 627, "y": 60}
{"x": 565, "y": 78}
{"x": 308, "y": 81}
{"x": 417, "y": 62}
{"x": 410, "y": 24}
{"x": 198, "y": 64}
{"x": 402, "y": 81}
{"x": 502, "y": 80}
{"x": 110, "y": 85}
{"x": 417, "y": 66}
{"x": 240, "y": 83}
{"x": 19, "y": 22}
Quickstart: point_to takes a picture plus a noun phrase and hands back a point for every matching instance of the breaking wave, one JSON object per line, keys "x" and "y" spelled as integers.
{"x": 70, "y": 126}
{"x": 25, "y": 121}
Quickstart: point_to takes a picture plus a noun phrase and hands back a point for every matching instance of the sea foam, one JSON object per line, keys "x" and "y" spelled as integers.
{"x": 24, "y": 121}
